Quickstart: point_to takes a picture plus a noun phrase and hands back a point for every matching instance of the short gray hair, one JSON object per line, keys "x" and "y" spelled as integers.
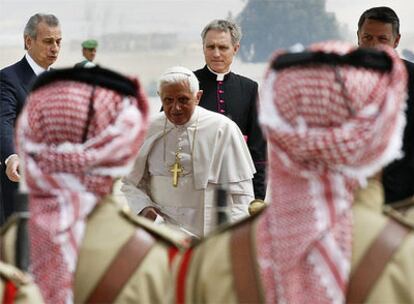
{"x": 178, "y": 74}
{"x": 31, "y": 26}
{"x": 224, "y": 26}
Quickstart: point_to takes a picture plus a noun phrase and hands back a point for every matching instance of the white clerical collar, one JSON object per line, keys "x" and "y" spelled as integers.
{"x": 220, "y": 76}
{"x": 37, "y": 69}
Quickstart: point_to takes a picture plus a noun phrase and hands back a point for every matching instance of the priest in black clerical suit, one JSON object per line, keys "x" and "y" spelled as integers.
{"x": 231, "y": 94}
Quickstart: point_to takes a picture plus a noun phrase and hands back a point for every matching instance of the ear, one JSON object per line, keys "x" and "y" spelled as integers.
{"x": 236, "y": 48}
{"x": 198, "y": 96}
{"x": 27, "y": 42}
{"x": 397, "y": 41}
{"x": 358, "y": 38}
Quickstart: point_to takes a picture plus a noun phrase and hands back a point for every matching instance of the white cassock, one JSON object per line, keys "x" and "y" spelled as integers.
{"x": 212, "y": 152}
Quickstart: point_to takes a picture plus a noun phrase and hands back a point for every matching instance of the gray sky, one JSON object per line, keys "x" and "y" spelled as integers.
{"x": 82, "y": 18}
{"x": 185, "y": 17}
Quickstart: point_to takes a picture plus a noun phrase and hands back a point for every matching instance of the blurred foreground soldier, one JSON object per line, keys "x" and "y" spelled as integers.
{"x": 80, "y": 129}
{"x": 230, "y": 94}
{"x": 187, "y": 153}
{"x": 89, "y": 52}
{"x": 381, "y": 26}
{"x": 333, "y": 117}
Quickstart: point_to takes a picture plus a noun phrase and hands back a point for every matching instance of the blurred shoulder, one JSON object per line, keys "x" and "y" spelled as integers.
{"x": 8, "y": 237}
{"x": 223, "y": 233}
{"x": 26, "y": 289}
{"x": 406, "y": 208}
{"x": 409, "y": 65}
{"x": 160, "y": 233}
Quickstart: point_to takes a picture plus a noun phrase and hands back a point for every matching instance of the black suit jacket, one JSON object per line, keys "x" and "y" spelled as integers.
{"x": 398, "y": 177}
{"x": 15, "y": 82}
{"x": 236, "y": 97}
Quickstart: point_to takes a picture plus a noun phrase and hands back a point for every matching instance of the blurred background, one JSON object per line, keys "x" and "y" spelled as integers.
{"x": 143, "y": 38}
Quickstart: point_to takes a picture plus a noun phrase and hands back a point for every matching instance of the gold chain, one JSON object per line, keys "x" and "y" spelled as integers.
{"x": 177, "y": 153}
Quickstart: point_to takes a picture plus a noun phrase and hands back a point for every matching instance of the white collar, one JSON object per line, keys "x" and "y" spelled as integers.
{"x": 37, "y": 69}
{"x": 220, "y": 76}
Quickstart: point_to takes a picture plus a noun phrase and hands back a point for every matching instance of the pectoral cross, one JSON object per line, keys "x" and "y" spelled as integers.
{"x": 176, "y": 170}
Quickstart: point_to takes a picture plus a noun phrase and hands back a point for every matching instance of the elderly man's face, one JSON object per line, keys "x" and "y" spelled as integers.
{"x": 44, "y": 49}
{"x": 219, "y": 50}
{"x": 178, "y": 102}
{"x": 374, "y": 33}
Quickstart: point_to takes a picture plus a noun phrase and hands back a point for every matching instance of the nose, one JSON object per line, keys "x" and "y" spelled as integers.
{"x": 55, "y": 47}
{"x": 216, "y": 52}
{"x": 177, "y": 105}
{"x": 373, "y": 43}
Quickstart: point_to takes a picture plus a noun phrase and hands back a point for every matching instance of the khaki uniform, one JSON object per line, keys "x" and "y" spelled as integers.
{"x": 108, "y": 228}
{"x": 27, "y": 291}
{"x": 405, "y": 207}
{"x": 209, "y": 276}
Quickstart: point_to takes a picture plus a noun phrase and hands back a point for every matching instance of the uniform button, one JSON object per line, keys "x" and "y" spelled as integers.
{"x": 222, "y": 111}
{"x": 221, "y": 101}
{"x": 220, "y": 82}
{"x": 221, "y": 91}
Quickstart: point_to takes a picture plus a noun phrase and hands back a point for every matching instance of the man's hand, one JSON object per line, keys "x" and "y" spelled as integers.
{"x": 150, "y": 213}
{"x": 12, "y": 168}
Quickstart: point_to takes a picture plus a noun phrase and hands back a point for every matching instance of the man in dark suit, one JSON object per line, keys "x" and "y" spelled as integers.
{"x": 231, "y": 94}
{"x": 42, "y": 37}
{"x": 376, "y": 26}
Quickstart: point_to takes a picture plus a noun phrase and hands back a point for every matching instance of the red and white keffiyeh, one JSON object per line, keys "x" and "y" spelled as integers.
{"x": 66, "y": 177}
{"x": 319, "y": 152}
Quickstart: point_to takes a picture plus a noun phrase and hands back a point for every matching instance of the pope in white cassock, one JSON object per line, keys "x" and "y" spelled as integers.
{"x": 187, "y": 153}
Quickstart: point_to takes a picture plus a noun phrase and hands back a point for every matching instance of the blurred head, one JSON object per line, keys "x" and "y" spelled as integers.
{"x": 42, "y": 38}
{"x": 83, "y": 111}
{"x": 378, "y": 26}
{"x": 179, "y": 92}
{"x": 221, "y": 41}
{"x": 331, "y": 102}
{"x": 333, "y": 116}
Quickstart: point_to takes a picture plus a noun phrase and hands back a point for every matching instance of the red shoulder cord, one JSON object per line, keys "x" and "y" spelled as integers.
{"x": 9, "y": 293}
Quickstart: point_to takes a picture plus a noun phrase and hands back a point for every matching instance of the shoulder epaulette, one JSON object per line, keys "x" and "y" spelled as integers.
{"x": 11, "y": 221}
{"x": 10, "y": 272}
{"x": 403, "y": 205}
{"x": 398, "y": 216}
{"x": 230, "y": 226}
{"x": 161, "y": 232}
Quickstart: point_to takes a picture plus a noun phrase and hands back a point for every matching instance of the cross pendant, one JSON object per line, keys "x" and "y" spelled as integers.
{"x": 176, "y": 171}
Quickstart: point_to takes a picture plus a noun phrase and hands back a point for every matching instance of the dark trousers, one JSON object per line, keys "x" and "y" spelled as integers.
{"x": 7, "y": 192}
